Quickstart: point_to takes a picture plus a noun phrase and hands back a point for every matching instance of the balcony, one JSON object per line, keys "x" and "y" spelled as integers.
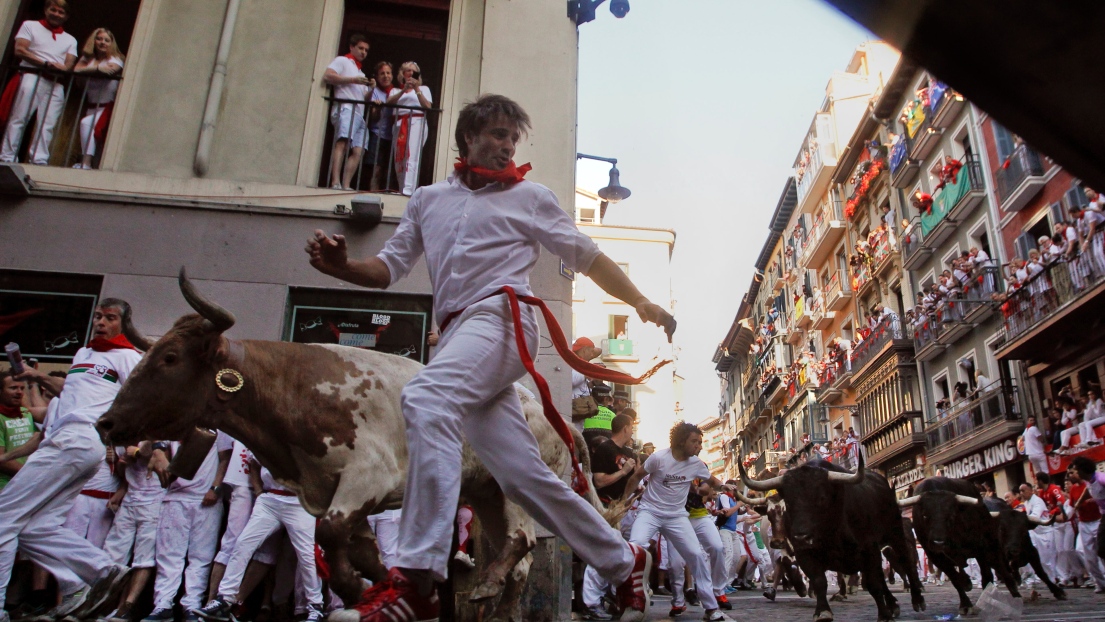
{"x": 1020, "y": 178}
{"x": 829, "y": 391}
{"x": 902, "y": 432}
{"x": 914, "y": 250}
{"x": 925, "y": 139}
{"x": 882, "y": 254}
{"x": 861, "y": 278}
{"x": 843, "y": 379}
{"x": 903, "y": 169}
{"x": 994, "y": 413}
{"x": 828, "y": 229}
{"x": 814, "y": 166}
{"x": 946, "y": 105}
{"x": 1043, "y": 313}
{"x": 968, "y": 191}
{"x": 885, "y": 331}
{"x": 618, "y": 350}
{"x": 802, "y": 317}
{"x": 837, "y": 293}
{"x": 822, "y": 320}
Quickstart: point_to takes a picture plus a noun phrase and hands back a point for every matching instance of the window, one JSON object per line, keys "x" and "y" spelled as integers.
{"x": 393, "y": 323}
{"x": 48, "y": 315}
{"x": 587, "y": 214}
{"x": 398, "y": 32}
{"x": 1005, "y": 141}
{"x": 1075, "y": 197}
{"x": 619, "y": 327}
{"x": 57, "y": 138}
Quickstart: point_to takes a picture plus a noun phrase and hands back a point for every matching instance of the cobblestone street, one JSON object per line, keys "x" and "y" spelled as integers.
{"x": 1082, "y": 604}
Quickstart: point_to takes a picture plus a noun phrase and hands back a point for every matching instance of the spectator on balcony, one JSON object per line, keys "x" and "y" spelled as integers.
{"x": 888, "y": 222}
{"x": 42, "y": 45}
{"x": 411, "y": 130}
{"x": 1050, "y": 252}
{"x": 1089, "y": 224}
{"x": 1096, "y": 201}
{"x": 1070, "y": 420}
{"x": 379, "y": 138}
{"x": 1093, "y": 416}
{"x": 1034, "y": 445}
{"x": 100, "y": 56}
{"x": 1068, "y": 235}
{"x": 345, "y": 74}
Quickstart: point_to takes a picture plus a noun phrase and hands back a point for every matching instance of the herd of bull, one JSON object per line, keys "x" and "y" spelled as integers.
{"x": 825, "y": 518}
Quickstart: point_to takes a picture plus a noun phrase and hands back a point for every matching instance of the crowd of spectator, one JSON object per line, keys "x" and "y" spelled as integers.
{"x": 969, "y": 277}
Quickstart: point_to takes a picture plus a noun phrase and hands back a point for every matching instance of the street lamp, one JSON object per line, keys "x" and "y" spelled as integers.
{"x": 614, "y": 191}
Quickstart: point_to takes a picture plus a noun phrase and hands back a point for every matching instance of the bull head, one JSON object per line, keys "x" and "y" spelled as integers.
{"x": 773, "y": 483}
{"x": 961, "y": 499}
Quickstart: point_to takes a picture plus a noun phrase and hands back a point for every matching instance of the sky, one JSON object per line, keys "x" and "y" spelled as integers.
{"x": 705, "y": 104}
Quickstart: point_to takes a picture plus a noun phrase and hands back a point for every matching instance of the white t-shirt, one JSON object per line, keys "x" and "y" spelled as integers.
{"x": 103, "y": 480}
{"x": 194, "y": 489}
{"x": 347, "y": 68}
{"x": 579, "y": 385}
{"x": 410, "y": 98}
{"x": 1033, "y": 442}
{"x": 143, "y": 487}
{"x": 44, "y": 44}
{"x": 92, "y": 384}
{"x": 237, "y": 472}
{"x": 669, "y": 482}
{"x": 102, "y": 90}
{"x": 1090, "y": 217}
{"x": 269, "y": 483}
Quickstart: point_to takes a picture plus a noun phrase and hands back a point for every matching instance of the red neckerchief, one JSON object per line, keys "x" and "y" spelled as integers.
{"x": 118, "y": 342}
{"x": 355, "y": 61}
{"x": 11, "y": 412}
{"x": 510, "y": 175}
{"x": 54, "y": 31}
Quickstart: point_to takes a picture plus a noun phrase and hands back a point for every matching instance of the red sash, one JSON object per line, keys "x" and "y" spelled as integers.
{"x": 100, "y": 129}
{"x": 96, "y": 494}
{"x": 402, "y": 141}
{"x": 7, "y": 100}
{"x": 579, "y": 481}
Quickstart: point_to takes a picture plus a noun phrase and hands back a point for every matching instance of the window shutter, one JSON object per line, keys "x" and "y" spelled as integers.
{"x": 1075, "y": 197}
{"x": 1023, "y": 244}
{"x": 1004, "y": 141}
{"x": 1056, "y": 214}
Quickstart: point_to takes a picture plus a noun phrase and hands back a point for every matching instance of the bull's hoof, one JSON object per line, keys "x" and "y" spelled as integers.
{"x": 344, "y": 615}
{"x": 485, "y": 591}
{"x": 1032, "y": 597}
{"x": 919, "y": 604}
{"x": 800, "y": 590}
{"x": 968, "y": 611}
{"x": 824, "y": 616}
{"x": 838, "y": 598}
{"x": 896, "y": 612}
{"x": 1060, "y": 594}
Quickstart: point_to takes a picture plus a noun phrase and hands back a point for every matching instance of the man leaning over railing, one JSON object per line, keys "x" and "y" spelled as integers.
{"x": 41, "y": 44}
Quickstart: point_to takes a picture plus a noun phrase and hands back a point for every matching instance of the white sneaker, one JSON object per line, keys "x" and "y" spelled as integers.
{"x": 313, "y": 614}
{"x": 717, "y": 616}
{"x": 465, "y": 559}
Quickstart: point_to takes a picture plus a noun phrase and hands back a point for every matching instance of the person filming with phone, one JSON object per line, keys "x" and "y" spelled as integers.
{"x": 411, "y": 130}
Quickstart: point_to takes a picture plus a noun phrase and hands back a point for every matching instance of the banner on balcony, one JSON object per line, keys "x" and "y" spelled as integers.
{"x": 914, "y": 118}
{"x": 945, "y": 200}
{"x": 984, "y": 461}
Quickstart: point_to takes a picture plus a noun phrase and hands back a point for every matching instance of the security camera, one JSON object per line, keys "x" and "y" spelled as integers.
{"x": 619, "y": 8}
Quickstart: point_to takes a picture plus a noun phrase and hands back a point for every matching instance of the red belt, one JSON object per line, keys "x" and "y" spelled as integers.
{"x": 579, "y": 481}
{"x": 282, "y": 493}
{"x": 97, "y": 494}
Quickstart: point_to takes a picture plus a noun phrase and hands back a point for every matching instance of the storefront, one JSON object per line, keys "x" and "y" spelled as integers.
{"x": 1000, "y": 465}
{"x": 903, "y": 474}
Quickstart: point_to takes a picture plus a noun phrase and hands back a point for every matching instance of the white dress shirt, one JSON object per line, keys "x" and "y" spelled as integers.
{"x": 475, "y": 242}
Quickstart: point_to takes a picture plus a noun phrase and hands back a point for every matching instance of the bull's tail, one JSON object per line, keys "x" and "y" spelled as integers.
{"x": 617, "y": 510}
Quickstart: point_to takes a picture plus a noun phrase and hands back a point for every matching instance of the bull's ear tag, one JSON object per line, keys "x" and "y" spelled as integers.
{"x": 229, "y": 380}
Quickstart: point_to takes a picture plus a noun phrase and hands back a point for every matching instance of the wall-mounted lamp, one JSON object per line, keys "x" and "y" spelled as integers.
{"x": 583, "y": 11}
{"x": 614, "y": 191}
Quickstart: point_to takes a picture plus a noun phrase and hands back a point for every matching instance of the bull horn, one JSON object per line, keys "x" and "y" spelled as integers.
{"x": 995, "y": 514}
{"x": 908, "y": 501}
{"x": 220, "y": 319}
{"x": 849, "y": 478}
{"x": 965, "y": 500}
{"x": 759, "y": 485}
{"x": 136, "y": 338}
{"x": 750, "y": 500}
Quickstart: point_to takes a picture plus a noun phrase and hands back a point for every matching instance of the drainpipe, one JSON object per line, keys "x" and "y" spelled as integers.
{"x": 215, "y": 91}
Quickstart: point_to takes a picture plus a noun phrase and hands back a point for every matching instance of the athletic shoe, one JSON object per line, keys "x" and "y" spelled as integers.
{"x": 217, "y": 610}
{"x": 677, "y": 611}
{"x": 69, "y": 604}
{"x": 597, "y": 613}
{"x": 1099, "y": 590}
{"x": 465, "y": 559}
{"x": 723, "y": 603}
{"x": 716, "y": 616}
{"x": 107, "y": 590}
{"x": 395, "y": 599}
{"x": 662, "y": 591}
{"x": 159, "y": 615}
{"x": 729, "y": 589}
{"x": 633, "y": 594}
{"x": 692, "y": 597}
{"x": 313, "y": 615}
{"x": 122, "y": 614}
{"x": 191, "y": 617}
{"x": 769, "y": 593}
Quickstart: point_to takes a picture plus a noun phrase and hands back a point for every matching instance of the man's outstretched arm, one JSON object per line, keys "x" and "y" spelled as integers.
{"x": 330, "y": 256}
{"x": 607, "y": 275}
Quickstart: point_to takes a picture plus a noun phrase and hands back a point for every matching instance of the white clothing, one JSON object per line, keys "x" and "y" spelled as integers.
{"x": 90, "y": 519}
{"x": 237, "y": 516}
{"x": 186, "y": 531}
{"x": 467, "y": 392}
{"x": 407, "y": 168}
{"x": 1068, "y": 562}
{"x": 1033, "y": 442}
{"x": 684, "y": 542}
{"x": 349, "y": 125}
{"x": 102, "y": 90}
{"x": 669, "y": 481}
{"x": 143, "y": 487}
{"x": 39, "y": 97}
{"x": 386, "y": 527}
{"x": 194, "y": 489}
{"x": 134, "y": 531}
{"x": 91, "y": 385}
{"x": 34, "y": 503}
{"x": 579, "y": 385}
{"x": 1044, "y": 541}
{"x": 270, "y": 513}
{"x": 1087, "y": 547}
{"x": 347, "y": 68}
{"x": 482, "y": 240}
{"x": 237, "y": 472}
{"x": 1039, "y": 464}
{"x": 88, "y": 130}
{"x": 104, "y": 480}
{"x": 44, "y": 44}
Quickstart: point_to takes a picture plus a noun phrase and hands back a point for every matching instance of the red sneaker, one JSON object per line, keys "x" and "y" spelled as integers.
{"x": 633, "y": 594}
{"x": 396, "y": 599}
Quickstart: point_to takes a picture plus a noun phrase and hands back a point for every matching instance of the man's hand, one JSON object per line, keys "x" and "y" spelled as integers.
{"x": 210, "y": 498}
{"x": 328, "y": 255}
{"x": 649, "y": 312}
{"x": 628, "y": 466}
{"x": 116, "y": 499}
{"x": 159, "y": 464}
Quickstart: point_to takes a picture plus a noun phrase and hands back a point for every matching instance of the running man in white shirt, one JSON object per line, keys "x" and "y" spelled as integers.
{"x": 481, "y": 233}
{"x": 663, "y": 507}
{"x": 34, "y": 503}
{"x": 345, "y": 73}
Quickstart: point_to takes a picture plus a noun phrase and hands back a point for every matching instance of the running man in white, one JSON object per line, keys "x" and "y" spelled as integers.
{"x": 481, "y": 232}
{"x": 663, "y": 508}
{"x": 34, "y": 503}
{"x": 276, "y": 507}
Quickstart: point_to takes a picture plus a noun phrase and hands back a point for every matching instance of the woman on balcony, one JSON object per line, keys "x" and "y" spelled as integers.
{"x": 99, "y": 57}
{"x": 411, "y": 129}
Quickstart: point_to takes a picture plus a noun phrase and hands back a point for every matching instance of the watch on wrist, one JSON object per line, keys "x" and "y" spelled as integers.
{"x": 162, "y": 445}
{"x": 215, "y": 489}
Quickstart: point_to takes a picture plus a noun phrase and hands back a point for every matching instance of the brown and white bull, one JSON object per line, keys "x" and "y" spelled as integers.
{"x": 326, "y": 421}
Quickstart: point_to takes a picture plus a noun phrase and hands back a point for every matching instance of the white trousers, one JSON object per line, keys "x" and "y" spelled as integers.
{"x": 760, "y": 557}
{"x": 386, "y": 527}
{"x": 467, "y": 392}
{"x": 134, "y": 531}
{"x": 34, "y": 503}
{"x": 90, "y": 519}
{"x": 1068, "y": 562}
{"x": 188, "y": 532}
{"x": 1087, "y": 546}
{"x": 416, "y": 140}
{"x": 684, "y": 549}
{"x": 237, "y": 515}
{"x": 270, "y": 513}
{"x": 1064, "y": 436}
{"x": 1043, "y": 538}
{"x": 43, "y": 96}
{"x": 1039, "y": 464}
{"x": 88, "y": 125}
{"x": 734, "y": 550}
{"x": 1086, "y": 429}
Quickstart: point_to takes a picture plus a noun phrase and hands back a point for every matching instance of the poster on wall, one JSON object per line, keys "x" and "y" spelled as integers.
{"x": 398, "y": 332}
{"x": 49, "y": 326}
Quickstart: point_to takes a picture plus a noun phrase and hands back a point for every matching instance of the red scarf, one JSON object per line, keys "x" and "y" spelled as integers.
{"x": 510, "y": 175}
{"x": 355, "y": 61}
{"x": 11, "y": 412}
{"x": 118, "y": 342}
{"x": 54, "y": 31}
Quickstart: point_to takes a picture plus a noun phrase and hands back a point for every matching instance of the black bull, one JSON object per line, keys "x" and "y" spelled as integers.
{"x": 842, "y": 522}
{"x": 1013, "y": 527}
